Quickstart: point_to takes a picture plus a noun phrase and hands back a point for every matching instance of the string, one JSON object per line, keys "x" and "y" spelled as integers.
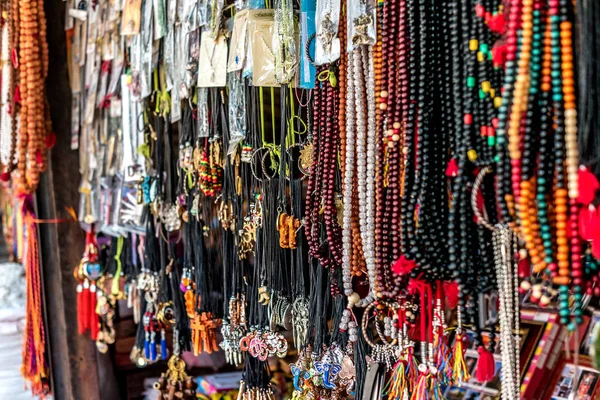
{"x": 262, "y": 115}
{"x": 115, "y": 281}
{"x": 273, "y": 111}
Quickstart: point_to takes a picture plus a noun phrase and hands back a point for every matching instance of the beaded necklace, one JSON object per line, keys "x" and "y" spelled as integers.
{"x": 33, "y": 69}
{"x": 7, "y": 141}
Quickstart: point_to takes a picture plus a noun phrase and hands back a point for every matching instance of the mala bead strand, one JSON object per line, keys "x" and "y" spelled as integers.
{"x": 572, "y": 163}
{"x": 519, "y": 97}
{"x": 313, "y": 192}
{"x": 6, "y": 137}
{"x": 408, "y": 201}
{"x": 348, "y": 162}
{"x": 32, "y": 71}
{"x": 560, "y": 192}
{"x": 546, "y": 154}
{"x": 365, "y": 165}
{"x": 530, "y": 227}
{"x": 342, "y": 79}
{"x": 332, "y": 229}
{"x": 504, "y": 198}
{"x": 371, "y": 155}
{"x": 381, "y": 106}
{"x": 15, "y": 107}
{"x": 392, "y": 123}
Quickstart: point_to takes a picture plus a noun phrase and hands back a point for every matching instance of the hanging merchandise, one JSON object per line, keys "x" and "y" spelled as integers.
{"x": 370, "y": 191}
{"x": 414, "y": 179}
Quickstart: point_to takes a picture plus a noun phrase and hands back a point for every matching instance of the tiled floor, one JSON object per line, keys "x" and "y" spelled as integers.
{"x": 12, "y": 312}
{"x": 12, "y": 384}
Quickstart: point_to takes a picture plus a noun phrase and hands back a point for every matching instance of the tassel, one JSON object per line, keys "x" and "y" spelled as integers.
{"x": 403, "y": 266}
{"x": 85, "y": 307}
{"x": 421, "y": 391}
{"x": 152, "y": 347}
{"x": 163, "y": 345}
{"x": 80, "y": 319}
{"x": 589, "y": 223}
{"x": 452, "y": 168}
{"x": 397, "y": 386}
{"x": 444, "y": 361}
{"x": 499, "y": 55}
{"x": 460, "y": 373}
{"x": 588, "y": 186}
{"x": 93, "y": 315}
{"x": 147, "y": 346}
{"x": 435, "y": 389}
{"x": 451, "y": 293}
{"x": 497, "y": 23}
{"x": 412, "y": 369}
{"x": 486, "y": 366}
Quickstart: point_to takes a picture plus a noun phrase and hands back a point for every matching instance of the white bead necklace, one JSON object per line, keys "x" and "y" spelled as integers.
{"x": 360, "y": 155}
{"x": 365, "y": 164}
{"x": 348, "y": 183}
{"x": 5, "y": 118}
{"x": 506, "y": 275}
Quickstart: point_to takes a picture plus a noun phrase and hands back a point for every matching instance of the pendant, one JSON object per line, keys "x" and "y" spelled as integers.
{"x": 306, "y": 159}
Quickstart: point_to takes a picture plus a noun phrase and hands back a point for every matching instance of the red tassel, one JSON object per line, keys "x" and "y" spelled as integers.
{"x": 84, "y": 309}
{"x": 486, "y": 366}
{"x": 588, "y": 185}
{"x": 80, "y": 321}
{"x": 93, "y": 316}
{"x": 452, "y": 168}
{"x": 497, "y": 23}
{"x": 589, "y": 223}
{"x": 403, "y": 266}
{"x": 451, "y": 293}
{"x": 499, "y": 55}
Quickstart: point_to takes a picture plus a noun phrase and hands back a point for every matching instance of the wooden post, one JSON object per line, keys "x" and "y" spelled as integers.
{"x": 78, "y": 371}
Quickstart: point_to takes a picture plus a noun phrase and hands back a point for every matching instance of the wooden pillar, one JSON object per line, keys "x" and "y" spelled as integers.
{"x": 78, "y": 370}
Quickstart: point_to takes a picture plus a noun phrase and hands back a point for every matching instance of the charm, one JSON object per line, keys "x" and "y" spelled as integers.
{"x": 307, "y": 158}
{"x": 263, "y": 296}
{"x": 204, "y": 338}
{"x": 300, "y": 319}
{"x": 175, "y": 383}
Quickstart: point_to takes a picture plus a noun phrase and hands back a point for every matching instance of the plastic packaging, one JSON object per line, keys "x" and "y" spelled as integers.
{"x": 237, "y": 111}
{"x": 284, "y": 47}
{"x": 307, "y": 71}
{"x": 132, "y": 17}
{"x": 202, "y": 112}
{"x": 262, "y": 24}
{"x": 326, "y": 40}
{"x": 212, "y": 69}
{"x": 238, "y": 42}
{"x": 361, "y": 21}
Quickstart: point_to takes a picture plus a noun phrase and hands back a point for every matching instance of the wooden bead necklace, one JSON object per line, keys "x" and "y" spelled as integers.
{"x": 33, "y": 114}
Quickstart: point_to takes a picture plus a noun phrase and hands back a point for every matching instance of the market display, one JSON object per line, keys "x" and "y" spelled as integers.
{"x": 374, "y": 187}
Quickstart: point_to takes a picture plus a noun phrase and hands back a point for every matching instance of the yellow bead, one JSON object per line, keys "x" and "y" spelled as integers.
{"x": 473, "y": 44}
{"x": 492, "y": 93}
{"x": 480, "y": 56}
{"x": 472, "y": 155}
{"x": 497, "y": 101}
{"x": 486, "y": 86}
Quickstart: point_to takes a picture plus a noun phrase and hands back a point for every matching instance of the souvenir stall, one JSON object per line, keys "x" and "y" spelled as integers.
{"x": 313, "y": 199}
